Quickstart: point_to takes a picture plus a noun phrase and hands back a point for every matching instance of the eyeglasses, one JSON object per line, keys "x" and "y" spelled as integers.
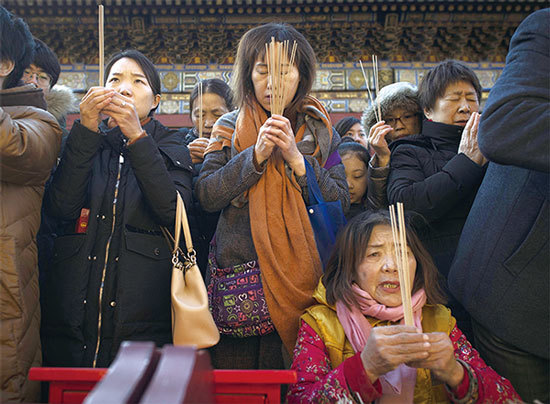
{"x": 41, "y": 77}
{"x": 404, "y": 119}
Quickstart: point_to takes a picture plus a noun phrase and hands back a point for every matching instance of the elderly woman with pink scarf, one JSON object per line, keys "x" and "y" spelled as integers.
{"x": 353, "y": 345}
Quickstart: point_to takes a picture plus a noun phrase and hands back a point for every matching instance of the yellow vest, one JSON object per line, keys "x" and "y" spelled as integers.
{"x": 323, "y": 319}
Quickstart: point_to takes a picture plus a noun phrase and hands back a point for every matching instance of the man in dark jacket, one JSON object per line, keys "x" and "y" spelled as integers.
{"x": 43, "y": 73}
{"x": 500, "y": 272}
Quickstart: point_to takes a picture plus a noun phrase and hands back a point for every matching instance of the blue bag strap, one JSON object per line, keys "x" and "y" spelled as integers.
{"x": 314, "y": 192}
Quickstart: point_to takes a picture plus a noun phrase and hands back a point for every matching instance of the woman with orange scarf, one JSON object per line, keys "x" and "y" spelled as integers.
{"x": 264, "y": 264}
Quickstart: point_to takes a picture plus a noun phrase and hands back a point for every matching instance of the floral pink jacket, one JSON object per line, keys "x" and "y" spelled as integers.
{"x": 318, "y": 382}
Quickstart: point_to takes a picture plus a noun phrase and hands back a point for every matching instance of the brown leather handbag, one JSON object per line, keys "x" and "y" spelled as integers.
{"x": 192, "y": 322}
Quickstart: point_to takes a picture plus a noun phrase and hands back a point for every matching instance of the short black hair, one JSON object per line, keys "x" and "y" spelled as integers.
{"x": 45, "y": 59}
{"x": 214, "y": 86}
{"x": 345, "y": 124}
{"x": 16, "y": 44}
{"x": 436, "y": 81}
{"x": 146, "y": 65}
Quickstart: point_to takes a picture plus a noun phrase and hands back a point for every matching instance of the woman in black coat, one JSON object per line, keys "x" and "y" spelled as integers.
{"x": 438, "y": 172}
{"x": 116, "y": 185}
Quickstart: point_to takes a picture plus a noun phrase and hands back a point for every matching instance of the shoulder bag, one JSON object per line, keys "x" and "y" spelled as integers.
{"x": 192, "y": 322}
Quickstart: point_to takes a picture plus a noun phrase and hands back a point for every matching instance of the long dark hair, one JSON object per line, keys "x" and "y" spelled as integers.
{"x": 146, "y": 65}
{"x": 349, "y": 251}
{"x": 252, "y": 46}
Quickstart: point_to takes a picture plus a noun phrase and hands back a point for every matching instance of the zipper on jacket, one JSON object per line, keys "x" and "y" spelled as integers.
{"x": 115, "y": 198}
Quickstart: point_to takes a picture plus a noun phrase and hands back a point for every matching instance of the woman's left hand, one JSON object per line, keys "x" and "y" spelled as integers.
{"x": 122, "y": 111}
{"x": 441, "y": 360}
{"x": 281, "y": 134}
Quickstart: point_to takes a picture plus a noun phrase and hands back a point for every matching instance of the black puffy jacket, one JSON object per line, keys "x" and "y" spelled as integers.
{"x": 430, "y": 177}
{"x": 112, "y": 283}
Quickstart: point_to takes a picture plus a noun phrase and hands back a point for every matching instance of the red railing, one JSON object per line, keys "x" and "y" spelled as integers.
{"x": 72, "y": 385}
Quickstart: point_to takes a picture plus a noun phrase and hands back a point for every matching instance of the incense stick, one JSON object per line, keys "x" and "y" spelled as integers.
{"x": 376, "y": 88}
{"x": 200, "y": 109}
{"x": 276, "y": 55}
{"x": 368, "y": 89}
{"x": 400, "y": 246}
{"x": 101, "y": 48}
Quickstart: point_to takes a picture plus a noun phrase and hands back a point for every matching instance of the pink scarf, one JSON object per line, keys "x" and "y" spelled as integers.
{"x": 397, "y": 385}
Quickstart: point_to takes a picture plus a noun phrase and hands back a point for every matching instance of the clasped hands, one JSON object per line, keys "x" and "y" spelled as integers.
{"x": 277, "y": 132}
{"x": 116, "y": 106}
{"x": 390, "y": 346}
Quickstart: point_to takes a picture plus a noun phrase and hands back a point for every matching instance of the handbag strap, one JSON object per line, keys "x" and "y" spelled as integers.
{"x": 181, "y": 221}
{"x": 314, "y": 192}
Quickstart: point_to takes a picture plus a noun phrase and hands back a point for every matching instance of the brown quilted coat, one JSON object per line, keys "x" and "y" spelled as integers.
{"x": 29, "y": 142}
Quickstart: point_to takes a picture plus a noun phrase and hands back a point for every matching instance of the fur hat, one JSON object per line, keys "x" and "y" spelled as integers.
{"x": 401, "y": 95}
{"x": 61, "y": 101}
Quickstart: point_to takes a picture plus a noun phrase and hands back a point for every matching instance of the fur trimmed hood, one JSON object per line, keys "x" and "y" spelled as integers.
{"x": 61, "y": 101}
{"x": 397, "y": 95}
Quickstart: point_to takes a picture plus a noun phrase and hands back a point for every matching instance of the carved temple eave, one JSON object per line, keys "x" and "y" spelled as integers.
{"x": 196, "y": 39}
{"x": 207, "y": 31}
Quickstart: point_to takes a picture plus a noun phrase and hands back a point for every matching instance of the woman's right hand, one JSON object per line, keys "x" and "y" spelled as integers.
{"x": 91, "y": 105}
{"x": 468, "y": 141}
{"x": 197, "y": 148}
{"x": 263, "y": 147}
{"x": 377, "y": 140}
{"x": 390, "y": 346}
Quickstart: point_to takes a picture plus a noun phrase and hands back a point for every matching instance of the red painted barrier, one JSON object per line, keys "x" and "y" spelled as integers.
{"x": 71, "y": 385}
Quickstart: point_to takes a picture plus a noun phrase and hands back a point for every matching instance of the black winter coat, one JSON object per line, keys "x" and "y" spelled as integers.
{"x": 112, "y": 283}
{"x": 430, "y": 178}
{"x": 502, "y": 264}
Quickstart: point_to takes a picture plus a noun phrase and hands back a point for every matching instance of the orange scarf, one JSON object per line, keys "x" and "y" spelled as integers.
{"x": 281, "y": 230}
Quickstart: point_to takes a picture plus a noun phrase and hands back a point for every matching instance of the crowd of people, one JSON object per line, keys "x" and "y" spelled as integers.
{"x": 85, "y": 264}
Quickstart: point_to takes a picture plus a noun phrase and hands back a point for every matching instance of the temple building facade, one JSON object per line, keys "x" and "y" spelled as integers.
{"x": 197, "y": 39}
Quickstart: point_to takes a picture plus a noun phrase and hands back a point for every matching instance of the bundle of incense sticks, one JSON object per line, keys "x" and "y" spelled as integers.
{"x": 200, "y": 108}
{"x": 377, "y": 110}
{"x": 278, "y": 64}
{"x": 101, "y": 47}
{"x": 400, "y": 243}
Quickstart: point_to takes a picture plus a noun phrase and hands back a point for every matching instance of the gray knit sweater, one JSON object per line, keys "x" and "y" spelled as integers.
{"x": 223, "y": 178}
